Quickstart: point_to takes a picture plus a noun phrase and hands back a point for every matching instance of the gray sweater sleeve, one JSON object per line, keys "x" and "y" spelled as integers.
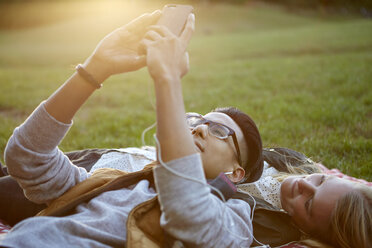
{"x": 34, "y": 160}
{"x": 192, "y": 214}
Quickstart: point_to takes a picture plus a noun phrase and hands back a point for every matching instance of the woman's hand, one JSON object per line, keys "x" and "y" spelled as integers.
{"x": 167, "y": 58}
{"x": 118, "y": 52}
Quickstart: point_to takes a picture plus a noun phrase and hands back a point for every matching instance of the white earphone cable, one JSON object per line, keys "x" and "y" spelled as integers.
{"x": 198, "y": 181}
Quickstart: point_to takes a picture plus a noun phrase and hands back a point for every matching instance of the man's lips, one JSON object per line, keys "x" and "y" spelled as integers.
{"x": 199, "y": 146}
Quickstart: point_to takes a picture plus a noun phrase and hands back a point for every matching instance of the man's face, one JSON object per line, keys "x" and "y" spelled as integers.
{"x": 219, "y": 155}
{"x": 311, "y": 199}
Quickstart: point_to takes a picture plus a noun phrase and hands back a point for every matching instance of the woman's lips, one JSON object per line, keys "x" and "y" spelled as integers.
{"x": 294, "y": 186}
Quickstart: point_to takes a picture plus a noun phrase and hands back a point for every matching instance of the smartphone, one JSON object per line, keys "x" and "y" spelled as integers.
{"x": 174, "y": 16}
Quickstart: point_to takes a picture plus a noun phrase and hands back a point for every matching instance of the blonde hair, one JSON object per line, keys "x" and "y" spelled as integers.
{"x": 350, "y": 220}
{"x": 351, "y": 224}
{"x": 307, "y": 167}
{"x": 313, "y": 243}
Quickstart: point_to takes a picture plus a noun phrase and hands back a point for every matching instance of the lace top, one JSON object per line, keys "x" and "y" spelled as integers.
{"x": 129, "y": 159}
{"x": 134, "y": 159}
{"x": 266, "y": 188}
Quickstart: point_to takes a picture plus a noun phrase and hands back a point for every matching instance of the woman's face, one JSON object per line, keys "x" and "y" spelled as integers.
{"x": 310, "y": 200}
{"x": 219, "y": 155}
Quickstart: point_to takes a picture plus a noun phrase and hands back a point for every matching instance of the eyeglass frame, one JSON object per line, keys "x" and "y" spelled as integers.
{"x": 231, "y": 132}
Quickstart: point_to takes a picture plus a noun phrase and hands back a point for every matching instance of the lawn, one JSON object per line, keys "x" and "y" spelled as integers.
{"x": 305, "y": 78}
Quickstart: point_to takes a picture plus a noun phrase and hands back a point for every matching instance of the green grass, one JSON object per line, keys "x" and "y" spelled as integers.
{"x": 305, "y": 79}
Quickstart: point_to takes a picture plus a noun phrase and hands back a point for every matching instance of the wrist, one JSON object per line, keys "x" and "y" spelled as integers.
{"x": 96, "y": 69}
{"x": 167, "y": 79}
{"x": 168, "y": 91}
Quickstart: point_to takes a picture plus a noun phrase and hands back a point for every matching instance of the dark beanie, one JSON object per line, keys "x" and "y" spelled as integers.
{"x": 254, "y": 165}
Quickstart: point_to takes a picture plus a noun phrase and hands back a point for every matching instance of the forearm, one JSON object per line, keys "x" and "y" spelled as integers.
{"x": 167, "y": 62}
{"x": 32, "y": 152}
{"x": 68, "y": 99}
{"x": 116, "y": 53}
{"x": 172, "y": 131}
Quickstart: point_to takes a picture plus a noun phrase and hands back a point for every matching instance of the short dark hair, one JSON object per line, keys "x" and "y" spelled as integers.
{"x": 254, "y": 165}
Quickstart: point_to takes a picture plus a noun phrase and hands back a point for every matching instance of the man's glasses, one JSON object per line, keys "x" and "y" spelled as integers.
{"x": 216, "y": 129}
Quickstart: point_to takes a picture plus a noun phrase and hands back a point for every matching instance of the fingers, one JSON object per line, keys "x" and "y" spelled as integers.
{"x": 143, "y": 21}
{"x": 155, "y": 33}
{"x": 145, "y": 43}
{"x": 162, "y": 30}
{"x": 186, "y": 58}
{"x": 189, "y": 29}
{"x": 185, "y": 64}
{"x": 158, "y": 32}
{"x": 139, "y": 62}
{"x": 152, "y": 35}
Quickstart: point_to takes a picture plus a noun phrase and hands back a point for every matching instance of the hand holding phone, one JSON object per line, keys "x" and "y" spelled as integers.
{"x": 174, "y": 17}
{"x": 166, "y": 43}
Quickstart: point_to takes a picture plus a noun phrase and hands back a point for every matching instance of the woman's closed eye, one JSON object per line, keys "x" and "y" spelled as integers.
{"x": 322, "y": 179}
{"x": 309, "y": 202}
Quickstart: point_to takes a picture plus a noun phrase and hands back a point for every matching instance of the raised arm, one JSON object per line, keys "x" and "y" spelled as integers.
{"x": 190, "y": 212}
{"x": 32, "y": 153}
{"x": 168, "y": 62}
{"x": 116, "y": 53}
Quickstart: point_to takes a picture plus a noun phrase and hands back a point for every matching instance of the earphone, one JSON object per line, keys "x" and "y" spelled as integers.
{"x": 201, "y": 182}
{"x": 205, "y": 184}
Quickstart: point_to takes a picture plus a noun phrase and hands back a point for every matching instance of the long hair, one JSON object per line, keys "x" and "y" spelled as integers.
{"x": 307, "y": 167}
{"x": 351, "y": 220}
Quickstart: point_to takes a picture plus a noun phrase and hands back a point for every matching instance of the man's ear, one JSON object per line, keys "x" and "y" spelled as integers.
{"x": 237, "y": 175}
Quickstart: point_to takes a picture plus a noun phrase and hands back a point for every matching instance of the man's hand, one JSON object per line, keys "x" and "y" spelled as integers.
{"x": 167, "y": 62}
{"x": 118, "y": 51}
{"x": 167, "y": 58}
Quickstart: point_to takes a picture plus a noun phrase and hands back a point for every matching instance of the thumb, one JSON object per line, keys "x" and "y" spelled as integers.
{"x": 139, "y": 62}
{"x": 185, "y": 65}
{"x": 140, "y": 24}
{"x": 142, "y": 48}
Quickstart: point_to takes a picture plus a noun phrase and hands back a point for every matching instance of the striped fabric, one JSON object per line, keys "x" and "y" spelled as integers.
{"x": 4, "y": 228}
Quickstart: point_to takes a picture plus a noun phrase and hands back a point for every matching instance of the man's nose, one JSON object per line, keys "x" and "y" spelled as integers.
{"x": 306, "y": 186}
{"x": 200, "y": 130}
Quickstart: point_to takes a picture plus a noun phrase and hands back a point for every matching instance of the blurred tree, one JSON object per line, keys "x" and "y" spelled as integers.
{"x": 363, "y": 7}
